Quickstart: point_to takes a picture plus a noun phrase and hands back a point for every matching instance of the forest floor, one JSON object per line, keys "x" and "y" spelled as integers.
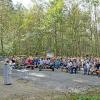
{"x": 41, "y": 84}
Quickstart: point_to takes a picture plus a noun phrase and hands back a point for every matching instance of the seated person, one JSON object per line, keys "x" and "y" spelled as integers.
{"x": 36, "y": 62}
{"x": 41, "y": 64}
{"x": 64, "y": 65}
{"x": 97, "y": 66}
{"x": 57, "y": 63}
{"x": 47, "y": 62}
{"x": 28, "y": 61}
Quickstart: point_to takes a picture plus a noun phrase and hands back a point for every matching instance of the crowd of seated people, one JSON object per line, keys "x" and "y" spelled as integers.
{"x": 71, "y": 65}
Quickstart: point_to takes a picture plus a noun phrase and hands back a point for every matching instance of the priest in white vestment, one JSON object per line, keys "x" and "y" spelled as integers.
{"x": 7, "y": 73}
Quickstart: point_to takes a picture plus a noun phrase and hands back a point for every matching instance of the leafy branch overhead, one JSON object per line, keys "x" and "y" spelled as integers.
{"x": 65, "y": 27}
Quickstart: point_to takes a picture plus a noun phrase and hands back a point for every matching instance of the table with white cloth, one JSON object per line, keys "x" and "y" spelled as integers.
{"x": 23, "y": 73}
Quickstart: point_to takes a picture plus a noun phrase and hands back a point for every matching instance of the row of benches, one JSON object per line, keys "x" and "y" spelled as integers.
{"x": 97, "y": 72}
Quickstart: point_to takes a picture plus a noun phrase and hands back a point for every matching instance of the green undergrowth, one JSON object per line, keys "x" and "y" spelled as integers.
{"x": 89, "y": 95}
{"x": 78, "y": 97}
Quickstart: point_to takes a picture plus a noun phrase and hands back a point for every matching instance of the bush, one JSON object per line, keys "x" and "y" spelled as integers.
{"x": 88, "y": 98}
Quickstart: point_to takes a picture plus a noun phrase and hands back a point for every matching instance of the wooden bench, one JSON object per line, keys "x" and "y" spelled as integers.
{"x": 30, "y": 66}
{"x": 45, "y": 68}
{"x": 64, "y": 69}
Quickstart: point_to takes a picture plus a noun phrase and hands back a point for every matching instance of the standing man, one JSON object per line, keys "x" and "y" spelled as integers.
{"x": 75, "y": 66}
{"x": 7, "y": 73}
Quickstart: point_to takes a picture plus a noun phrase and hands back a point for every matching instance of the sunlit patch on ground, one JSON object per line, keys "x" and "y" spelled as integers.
{"x": 79, "y": 80}
{"x": 37, "y": 74}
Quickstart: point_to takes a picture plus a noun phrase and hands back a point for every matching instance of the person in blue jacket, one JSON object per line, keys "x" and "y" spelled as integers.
{"x": 57, "y": 63}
